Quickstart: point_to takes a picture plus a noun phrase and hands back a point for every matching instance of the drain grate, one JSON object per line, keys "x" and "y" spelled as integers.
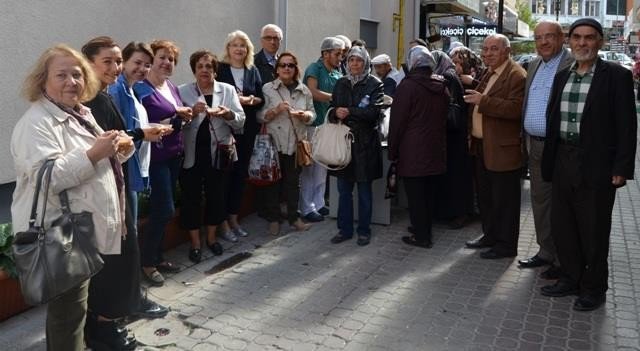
{"x": 162, "y": 332}
{"x": 229, "y": 262}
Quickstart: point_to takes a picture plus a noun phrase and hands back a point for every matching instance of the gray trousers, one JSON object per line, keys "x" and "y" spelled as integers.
{"x": 66, "y": 316}
{"x": 541, "y": 203}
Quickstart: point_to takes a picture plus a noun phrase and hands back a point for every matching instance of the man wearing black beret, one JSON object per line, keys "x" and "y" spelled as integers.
{"x": 589, "y": 153}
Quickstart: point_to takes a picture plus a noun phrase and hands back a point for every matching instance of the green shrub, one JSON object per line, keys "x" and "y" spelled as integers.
{"x": 6, "y": 257}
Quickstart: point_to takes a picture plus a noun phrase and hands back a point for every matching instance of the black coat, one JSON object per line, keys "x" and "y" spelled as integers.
{"x": 366, "y": 151}
{"x": 607, "y": 128}
{"x": 267, "y": 72}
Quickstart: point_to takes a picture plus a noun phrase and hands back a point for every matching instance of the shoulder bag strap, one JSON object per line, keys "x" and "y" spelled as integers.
{"x": 44, "y": 174}
{"x": 295, "y": 133}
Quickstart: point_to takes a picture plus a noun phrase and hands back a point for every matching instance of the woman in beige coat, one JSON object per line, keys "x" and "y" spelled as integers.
{"x": 288, "y": 109}
{"x": 57, "y": 126}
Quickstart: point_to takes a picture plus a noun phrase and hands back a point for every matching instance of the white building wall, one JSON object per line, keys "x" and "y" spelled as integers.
{"x": 27, "y": 27}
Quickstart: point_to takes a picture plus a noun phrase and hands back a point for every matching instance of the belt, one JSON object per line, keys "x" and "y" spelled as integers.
{"x": 567, "y": 142}
{"x": 537, "y": 138}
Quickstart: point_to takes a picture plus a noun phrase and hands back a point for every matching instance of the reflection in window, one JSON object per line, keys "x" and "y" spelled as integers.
{"x": 574, "y": 8}
{"x": 592, "y": 8}
{"x": 541, "y": 7}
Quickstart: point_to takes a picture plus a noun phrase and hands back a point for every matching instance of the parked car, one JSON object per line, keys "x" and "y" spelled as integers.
{"x": 618, "y": 57}
{"x": 524, "y": 59}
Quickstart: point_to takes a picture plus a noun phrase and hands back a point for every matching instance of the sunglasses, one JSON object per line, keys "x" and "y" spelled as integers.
{"x": 287, "y": 65}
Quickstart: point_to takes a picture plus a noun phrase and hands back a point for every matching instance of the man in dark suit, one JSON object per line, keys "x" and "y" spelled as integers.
{"x": 589, "y": 152}
{"x": 552, "y": 57}
{"x": 265, "y": 59}
{"x": 496, "y": 125}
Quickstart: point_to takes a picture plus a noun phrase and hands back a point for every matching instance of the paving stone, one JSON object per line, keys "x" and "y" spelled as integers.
{"x": 299, "y": 292}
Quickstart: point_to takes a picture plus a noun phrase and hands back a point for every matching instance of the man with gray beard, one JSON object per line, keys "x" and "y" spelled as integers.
{"x": 589, "y": 152}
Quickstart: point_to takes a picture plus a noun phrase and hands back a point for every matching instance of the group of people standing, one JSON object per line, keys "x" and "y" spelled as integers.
{"x": 574, "y": 116}
{"x": 115, "y": 124}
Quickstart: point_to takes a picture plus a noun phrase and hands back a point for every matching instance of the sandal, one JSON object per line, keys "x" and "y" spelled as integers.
{"x": 411, "y": 240}
{"x": 154, "y": 277}
{"x": 168, "y": 267}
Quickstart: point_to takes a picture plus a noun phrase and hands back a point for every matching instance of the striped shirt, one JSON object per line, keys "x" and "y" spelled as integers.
{"x": 535, "y": 119}
{"x": 574, "y": 96}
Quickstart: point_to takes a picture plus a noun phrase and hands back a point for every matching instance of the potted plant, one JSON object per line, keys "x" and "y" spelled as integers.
{"x": 7, "y": 267}
{"x": 11, "y": 298}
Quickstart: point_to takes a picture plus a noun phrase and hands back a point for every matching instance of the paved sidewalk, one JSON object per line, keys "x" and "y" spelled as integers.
{"x": 299, "y": 292}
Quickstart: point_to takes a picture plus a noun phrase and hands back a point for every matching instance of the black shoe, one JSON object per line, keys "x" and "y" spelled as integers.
{"x": 363, "y": 240}
{"x": 216, "y": 248}
{"x": 339, "y": 238}
{"x": 313, "y": 217}
{"x": 105, "y": 335}
{"x": 459, "y": 222}
{"x": 588, "y": 302}
{"x": 559, "y": 289}
{"x": 168, "y": 267}
{"x": 492, "y": 254}
{"x": 477, "y": 243}
{"x": 195, "y": 255}
{"x": 552, "y": 273}
{"x": 150, "y": 309}
{"x": 533, "y": 262}
{"x": 324, "y": 211}
{"x": 411, "y": 240}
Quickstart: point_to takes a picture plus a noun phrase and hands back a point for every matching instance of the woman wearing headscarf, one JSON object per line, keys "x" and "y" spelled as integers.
{"x": 417, "y": 134}
{"x": 454, "y": 197}
{"x": 468, "y": 65}
{"x": 357, "y": 98}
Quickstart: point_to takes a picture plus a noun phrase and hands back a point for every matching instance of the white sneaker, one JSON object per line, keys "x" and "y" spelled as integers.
{"x": 229, "y": 236}
{"x": 238, "y": 231}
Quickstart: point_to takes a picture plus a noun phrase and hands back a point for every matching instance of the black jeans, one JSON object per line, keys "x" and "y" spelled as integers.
{"x": 290, "y": 184}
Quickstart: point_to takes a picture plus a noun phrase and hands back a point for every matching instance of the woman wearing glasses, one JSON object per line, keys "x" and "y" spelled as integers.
{"x": 288, "y": 109}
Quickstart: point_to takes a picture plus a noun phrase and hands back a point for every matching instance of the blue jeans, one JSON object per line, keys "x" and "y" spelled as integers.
{"x": 163, "y": 176}
{"x": 345, "y": 208}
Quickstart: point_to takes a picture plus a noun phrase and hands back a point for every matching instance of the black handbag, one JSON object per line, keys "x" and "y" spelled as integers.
{"x": 54, "y": 260}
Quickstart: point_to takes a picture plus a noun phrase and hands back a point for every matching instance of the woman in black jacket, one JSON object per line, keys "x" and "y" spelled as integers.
{"x": 357, "y": 98}
{"x": 237, "y": 69}
{"x": 454, "y": 194}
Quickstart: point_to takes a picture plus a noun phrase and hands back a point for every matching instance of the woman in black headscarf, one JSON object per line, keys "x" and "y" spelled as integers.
{"x": 454, "y": 195}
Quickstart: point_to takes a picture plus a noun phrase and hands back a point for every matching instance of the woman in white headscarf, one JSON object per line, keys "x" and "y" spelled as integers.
{"x": 357, "y": 98}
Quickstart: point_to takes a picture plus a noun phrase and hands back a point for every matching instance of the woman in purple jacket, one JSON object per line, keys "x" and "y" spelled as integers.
{"x": 163, "y": 104}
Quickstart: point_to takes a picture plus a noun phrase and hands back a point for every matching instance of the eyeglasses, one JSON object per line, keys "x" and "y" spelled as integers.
{"x": 287, "y": 65}
{"x": 271, "y": 38}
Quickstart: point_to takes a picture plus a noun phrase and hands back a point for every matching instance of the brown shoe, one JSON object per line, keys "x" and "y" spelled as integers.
{"x": 300, "y": 226}
{"x": 274, "y": 228}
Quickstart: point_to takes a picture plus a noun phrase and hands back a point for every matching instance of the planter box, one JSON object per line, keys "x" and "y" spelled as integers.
{"x": 11, "y": 301}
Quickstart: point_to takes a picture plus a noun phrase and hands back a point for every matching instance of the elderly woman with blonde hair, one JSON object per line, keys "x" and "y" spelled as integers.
{"x": 238, "y": 70}
{"x": 87, "y": 165}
